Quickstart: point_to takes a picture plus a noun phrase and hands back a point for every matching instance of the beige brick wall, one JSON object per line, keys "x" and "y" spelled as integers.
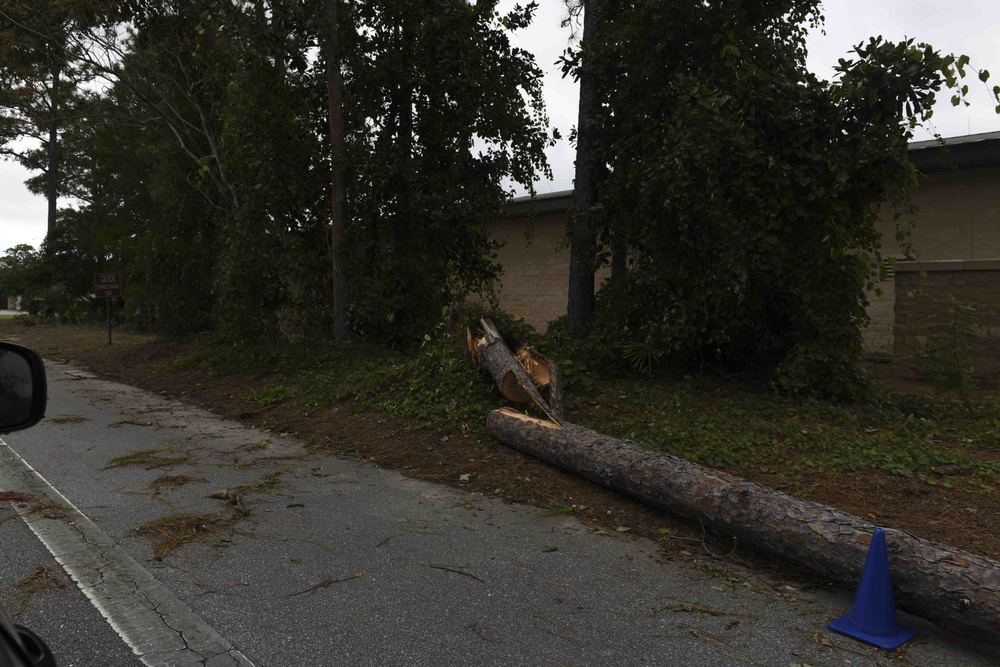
{"x": 959, "y": 217}
{"x": 956, "y": 234}
{"x": 924, "y": 299}
{"x": 878, "y": 337}
{"x": 536, "y": 274}
{"x": 535, "y": 267}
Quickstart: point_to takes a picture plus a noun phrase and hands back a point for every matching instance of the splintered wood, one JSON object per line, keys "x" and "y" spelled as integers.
{"x": 519, "y": 376}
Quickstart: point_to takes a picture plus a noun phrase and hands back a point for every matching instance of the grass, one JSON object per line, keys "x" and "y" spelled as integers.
{"x": 556, "y": 509}
{"x": 18, "y": 497}
{"x": 38, "y": 507}
{"x": 51, "y": 510}
{"x": 169, "y": 533}
{"x": 436, "y": 387}
{"x": 67, "y": 419}
{"x": 934, "y": 440}
{"x": 906, "y": 461}
{"x": 270, "y": 484}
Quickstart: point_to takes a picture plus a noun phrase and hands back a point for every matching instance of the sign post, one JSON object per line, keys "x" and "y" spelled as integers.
{"x": 109, "y": 286}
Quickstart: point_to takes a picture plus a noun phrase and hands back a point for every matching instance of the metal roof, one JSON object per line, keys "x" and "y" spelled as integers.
{"x": 540, "y": 204}
{"x": 969, "y": 152}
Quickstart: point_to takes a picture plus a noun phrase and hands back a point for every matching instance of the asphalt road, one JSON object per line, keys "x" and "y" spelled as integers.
{"x": 338, "y": 562}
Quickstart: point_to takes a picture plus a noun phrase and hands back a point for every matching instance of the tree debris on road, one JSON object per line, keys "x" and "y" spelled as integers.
{"x": 956, "y": 589}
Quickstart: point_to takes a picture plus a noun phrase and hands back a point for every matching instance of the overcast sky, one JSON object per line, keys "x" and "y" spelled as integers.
{"x": 971, "y": 27}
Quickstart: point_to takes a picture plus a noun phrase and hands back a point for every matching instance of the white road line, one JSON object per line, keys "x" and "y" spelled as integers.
{"x": 159, "y": 628}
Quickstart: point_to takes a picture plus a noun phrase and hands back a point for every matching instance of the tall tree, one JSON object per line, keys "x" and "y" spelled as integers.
{"x": 583, "y": 234}
{"x": 216, "y": 160}
{"x": 41, "y": 69}
{"x": 148, "y": 163}
{"x": 747, "y": 190}
{"x": 214, "y": 112}
{"x": 441, "y": 110}
{"x": 338, "y": 181}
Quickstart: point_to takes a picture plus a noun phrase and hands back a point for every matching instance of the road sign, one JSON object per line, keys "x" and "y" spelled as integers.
{"x": 108, "y": 285}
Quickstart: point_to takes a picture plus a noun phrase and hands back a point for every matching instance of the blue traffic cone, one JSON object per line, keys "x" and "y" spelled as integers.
{"x": 873, "y": 617}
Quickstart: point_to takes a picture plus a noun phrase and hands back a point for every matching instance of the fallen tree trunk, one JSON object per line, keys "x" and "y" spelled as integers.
{"x": 955, "y": 589}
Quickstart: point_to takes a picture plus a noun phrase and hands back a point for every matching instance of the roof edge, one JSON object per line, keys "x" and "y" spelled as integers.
{"x": 539, "y": 204}
{"x": 973, "y": 151}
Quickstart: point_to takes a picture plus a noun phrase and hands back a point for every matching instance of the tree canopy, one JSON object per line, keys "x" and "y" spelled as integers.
{"x": 743, "y": 191}
{"x": 42, "y": 69}
{"x": 442, "y": 112}
{"x": 202, "y": 159}
{"x": 734, "y": 193}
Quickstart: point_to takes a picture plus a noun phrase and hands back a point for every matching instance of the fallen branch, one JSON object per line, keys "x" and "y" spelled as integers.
{"x": 958, "y": 590}
{"x": 448, "y": 568}
{"x": 324, "y": 583}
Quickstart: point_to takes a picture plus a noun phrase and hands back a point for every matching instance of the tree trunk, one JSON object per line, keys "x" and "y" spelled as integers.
{"x": 583, "y": 238}
{"x": 619, "y": 254}
{"x": 957, "y": 590}
{"x": 52, "y": 166}
{"x": 402, "y": 223}
{"x": 335, "y": 99}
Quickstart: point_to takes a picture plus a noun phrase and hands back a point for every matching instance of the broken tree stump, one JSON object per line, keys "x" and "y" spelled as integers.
{"x": 958, "y": 590}
{"x": 517, "y": 376}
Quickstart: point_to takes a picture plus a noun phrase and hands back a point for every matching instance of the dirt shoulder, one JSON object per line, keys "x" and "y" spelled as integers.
{"x": 339, "y": 428}
{"x": 965, "y": 516}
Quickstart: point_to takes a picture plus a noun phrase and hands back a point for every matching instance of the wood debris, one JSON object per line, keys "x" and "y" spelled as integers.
{"x": 520, "y": 375}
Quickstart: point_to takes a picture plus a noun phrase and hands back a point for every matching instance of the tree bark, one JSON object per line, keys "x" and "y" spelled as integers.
{"x": 958, "y": 590}
{"x": 583, "y": 238}
{"x": 335, "y": 99}
{"x": 402, "y": 223}
{"x": 52, "y": 157}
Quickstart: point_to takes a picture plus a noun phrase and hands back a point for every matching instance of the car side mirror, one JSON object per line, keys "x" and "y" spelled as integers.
{"x": 23, "y": 390}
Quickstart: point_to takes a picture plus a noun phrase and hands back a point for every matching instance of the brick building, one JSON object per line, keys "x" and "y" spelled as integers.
{"x": 535, "y": 257}
{"x": 957, "y": 236}
{"x": 956, "y": 233}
